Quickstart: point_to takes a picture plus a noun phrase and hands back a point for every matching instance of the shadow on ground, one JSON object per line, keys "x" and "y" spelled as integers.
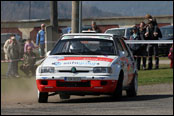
{"x": 109, "y": 99}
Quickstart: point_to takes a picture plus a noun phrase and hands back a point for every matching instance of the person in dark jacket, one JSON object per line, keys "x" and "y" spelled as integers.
{"x": 153, "y": 21}
{"x": 152, "y": 33}
{"x": 142, "y": 31}
{"x": 95, "y": 27}
{"x": 136, "y": 48}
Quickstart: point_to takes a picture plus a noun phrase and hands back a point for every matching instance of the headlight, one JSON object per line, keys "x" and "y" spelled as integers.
{"x": 47, "y": 70}
{"x": 102, "y": 70}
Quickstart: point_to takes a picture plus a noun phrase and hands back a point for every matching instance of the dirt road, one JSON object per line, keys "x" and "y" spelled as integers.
{"x": 151, "y": 99}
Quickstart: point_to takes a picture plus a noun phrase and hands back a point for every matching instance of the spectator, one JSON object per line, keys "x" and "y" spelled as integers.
{"x": 27, "y": 44}
{"x": 152, "y": 20}
{"x": 142, "y": 31}
{"x": 95, "y": 27}
{"x": 13, "y": 55}
{"x": 7, "y": 42}
{"x": 136, "y": 48}
{"x": 29, "y": 61}
{"x": 152, "y": 33}
{"x": 40, "y": 40}
{"x": 170, "y": 56}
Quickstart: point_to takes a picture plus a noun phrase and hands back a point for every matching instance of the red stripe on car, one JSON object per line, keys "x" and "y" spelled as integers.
{"x": 87, "y": 58}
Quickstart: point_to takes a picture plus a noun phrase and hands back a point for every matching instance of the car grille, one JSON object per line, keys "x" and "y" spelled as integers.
{"x": 78, "y": 71}
{"x": 73, "y": 84}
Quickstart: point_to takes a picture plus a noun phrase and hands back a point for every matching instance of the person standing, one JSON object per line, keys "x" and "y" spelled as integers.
{"x": 136, "y": 48}
{"x": 142, "y": 31}
{"x": 13, "y": 55}
{"x": 40, "y": 40}
{"x": 29, "y": 62}
{"x": 95, "y": 27}
{"x": 170, "y": 56}
{"x": 7, "y": 42}
{"x": 152, "y": 33}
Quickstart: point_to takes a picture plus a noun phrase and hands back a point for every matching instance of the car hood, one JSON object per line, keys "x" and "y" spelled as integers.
{"x": 84, "y": 61}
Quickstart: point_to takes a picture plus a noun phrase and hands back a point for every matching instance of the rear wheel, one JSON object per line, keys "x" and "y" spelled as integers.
{"x": 119, "y": 88}
{"x": 132, "y": 91}
{"x": 42, "y": 97}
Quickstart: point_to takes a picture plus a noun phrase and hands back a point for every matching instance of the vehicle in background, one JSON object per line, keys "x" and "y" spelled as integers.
{"x": 167, "y": 34}
{"x": 123, "y": 32}
{"x": 6, "y": 36}
{"x": 66, "y": 30}
{"x": 84, "y": 29}
{"x": 87, "y": 64}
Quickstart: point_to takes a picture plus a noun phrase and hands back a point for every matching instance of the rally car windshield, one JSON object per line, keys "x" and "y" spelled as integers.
{"x": 84, "y": 47}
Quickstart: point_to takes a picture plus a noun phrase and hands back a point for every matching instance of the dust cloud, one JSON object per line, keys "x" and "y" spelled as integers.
{"x": 18, "y": 90}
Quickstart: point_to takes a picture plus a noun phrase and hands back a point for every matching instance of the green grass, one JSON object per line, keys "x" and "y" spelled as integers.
{"x": 162, "y": 75}
{"x": 163, "y": 58}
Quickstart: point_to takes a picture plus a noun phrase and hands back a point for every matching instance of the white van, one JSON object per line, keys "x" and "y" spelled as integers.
{"x": 123, "y": 32}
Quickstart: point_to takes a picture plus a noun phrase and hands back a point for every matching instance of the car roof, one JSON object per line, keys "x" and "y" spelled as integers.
{"x": 92, "y": 35}
{"x": 120, "y": 28}
{"x": 167, "y": 26}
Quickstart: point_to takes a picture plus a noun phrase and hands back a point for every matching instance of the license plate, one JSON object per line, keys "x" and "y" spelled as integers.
{"x": 72, "y": 79}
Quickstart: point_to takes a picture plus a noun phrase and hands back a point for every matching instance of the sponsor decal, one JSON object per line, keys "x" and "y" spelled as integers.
{"x": 44, "y": 77}
{"x": 57, "y": 57}
{"x": 56, "y": 63}
{"x": 102, "y": 78}
{"x": 80, "y": 63}
{"x": 88, "y": 58}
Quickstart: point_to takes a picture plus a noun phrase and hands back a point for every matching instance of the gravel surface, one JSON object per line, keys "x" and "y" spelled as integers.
{"x": 151, "y": 100}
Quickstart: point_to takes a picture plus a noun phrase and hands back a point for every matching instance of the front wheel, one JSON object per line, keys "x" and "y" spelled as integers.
{"x": 132, "y": 90}
{"x": 42, "y": 97}
{"x": 119, "y": 87}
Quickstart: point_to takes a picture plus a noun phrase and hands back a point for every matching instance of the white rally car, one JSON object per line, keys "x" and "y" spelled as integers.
{"x": 87, "y": 64}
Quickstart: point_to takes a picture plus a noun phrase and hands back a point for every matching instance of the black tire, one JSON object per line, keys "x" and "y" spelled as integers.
{"x": 132, "y": 90}
{"x": 118, "y": 91}
{"x": 64, "y": 96}
{"x": 42, "y": 97}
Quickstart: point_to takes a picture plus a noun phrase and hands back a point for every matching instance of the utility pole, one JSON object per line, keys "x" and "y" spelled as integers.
{"x": 53, "y": 16}
{"x": 80, "y": 16}
{"x": 52, "y": 30}
{"x": 29, "y": 10}
{"x": 75, "y": 17}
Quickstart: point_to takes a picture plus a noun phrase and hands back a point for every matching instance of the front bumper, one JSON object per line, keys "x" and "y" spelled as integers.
{"x": 85, "y": 86}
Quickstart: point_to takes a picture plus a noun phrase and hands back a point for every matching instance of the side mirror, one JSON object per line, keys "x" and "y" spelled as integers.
{"x": 123, "y": 54}
{"x": 48, "y": 53}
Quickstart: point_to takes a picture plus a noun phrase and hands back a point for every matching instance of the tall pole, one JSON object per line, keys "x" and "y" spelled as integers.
{"x": 75, "y": 17}
{"x": 52, "y": 30}
{"x": 53, "y": 16}
{"x": 29, "y": 10}
{"x": 80, "y": 16}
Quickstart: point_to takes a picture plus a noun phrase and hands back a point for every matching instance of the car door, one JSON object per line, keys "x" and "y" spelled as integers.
{"x": 129, "y": 62}
{"x": 123, "y": 60}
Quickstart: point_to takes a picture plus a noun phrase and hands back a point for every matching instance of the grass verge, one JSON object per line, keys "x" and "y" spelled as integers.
{"x": 162, "y": 75}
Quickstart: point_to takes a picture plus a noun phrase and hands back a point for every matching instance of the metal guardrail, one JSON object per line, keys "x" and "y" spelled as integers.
{"x": 149, "y": 41}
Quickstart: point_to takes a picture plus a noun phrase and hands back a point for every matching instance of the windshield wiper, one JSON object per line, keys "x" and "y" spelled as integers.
{"x": 64, "y": 53}
{"x": 90, "y": 53}
{"x": 67, "y": 53}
